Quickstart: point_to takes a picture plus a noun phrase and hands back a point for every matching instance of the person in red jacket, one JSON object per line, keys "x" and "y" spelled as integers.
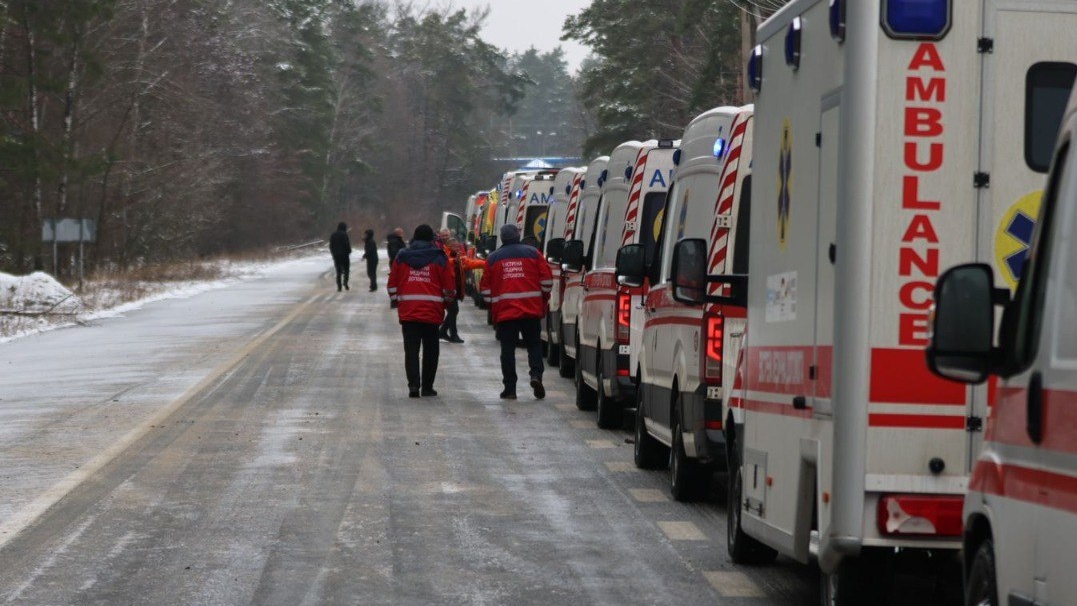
{"x": 517, "y": 284}
{"x": 421, "y": 285}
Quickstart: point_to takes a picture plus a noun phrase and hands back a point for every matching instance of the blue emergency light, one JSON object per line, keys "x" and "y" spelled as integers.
{"x": 837, "y": 19}
{"x": 677, "y": 158}
{"x": 755, "y": 69}
{"x": 628, "y": 173}
{"x": 568, "y": 189}
{"x": 719, "y": 148}
{"x": 602, "y": 178}
{"x": 917, "y": 19}
{"x": 792, "y": 44}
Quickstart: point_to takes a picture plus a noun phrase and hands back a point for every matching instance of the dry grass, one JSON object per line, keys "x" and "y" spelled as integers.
{"x": 110, "y": 288}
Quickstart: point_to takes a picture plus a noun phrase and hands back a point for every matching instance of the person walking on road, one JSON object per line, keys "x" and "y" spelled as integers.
{"x": 395, "y": 244}
{"x": 340, "y": 246}
{"x": 421, "y": 286}
{"x": 517, "y": 284}
{"x": 370, "y": 253}
{"x": 459, "y": 265}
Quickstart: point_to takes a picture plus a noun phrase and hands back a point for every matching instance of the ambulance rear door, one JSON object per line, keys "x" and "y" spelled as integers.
{"x": 1029, "y": 54}
{"x": 454, "y": 223}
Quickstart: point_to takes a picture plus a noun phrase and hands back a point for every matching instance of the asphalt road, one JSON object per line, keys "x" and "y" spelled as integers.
{"x": 286, "y": 465}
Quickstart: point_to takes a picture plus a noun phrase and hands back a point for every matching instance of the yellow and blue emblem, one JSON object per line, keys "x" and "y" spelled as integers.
{"x": 785, "y": 183}
{"x": 1013, "y": 238}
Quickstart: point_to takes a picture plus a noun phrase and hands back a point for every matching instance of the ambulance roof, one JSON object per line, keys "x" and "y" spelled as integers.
{"x": 594, "y": 171}
{"x": 701, "y": 133}
{"x": 623, "y": 157}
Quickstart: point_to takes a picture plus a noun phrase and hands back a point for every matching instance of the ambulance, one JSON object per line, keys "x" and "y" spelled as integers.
{"x": 510, "y": 193}
{"x": 638, "y": 179}
{"x": 1020, "y": 515}
{"x": 566, "y": 191}
{"x": 891, "y": 139}
{"x": 686, "y": 350}
{"x": 535, "y": 200}
{"x": 578, "y": 236}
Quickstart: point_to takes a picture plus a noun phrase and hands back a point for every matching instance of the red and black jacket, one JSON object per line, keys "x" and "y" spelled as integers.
{"x": 421, "y": 283}
{"x": 516, "y": 283}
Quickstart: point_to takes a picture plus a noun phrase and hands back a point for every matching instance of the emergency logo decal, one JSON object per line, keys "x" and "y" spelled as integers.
{"x": 785, "y": 182}
{"x": 1014, "y": 237}
{"x": 538, "y": 228}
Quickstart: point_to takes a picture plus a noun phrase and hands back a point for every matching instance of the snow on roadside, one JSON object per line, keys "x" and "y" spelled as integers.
{"x": 39, "y": 293}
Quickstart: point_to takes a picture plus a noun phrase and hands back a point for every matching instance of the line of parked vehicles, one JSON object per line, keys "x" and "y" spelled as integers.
{"x": 767, "y": 295}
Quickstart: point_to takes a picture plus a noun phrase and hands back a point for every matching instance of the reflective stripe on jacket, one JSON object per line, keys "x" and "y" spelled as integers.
{"x": 422, "y": 292}
{"x": 516, "y": 283}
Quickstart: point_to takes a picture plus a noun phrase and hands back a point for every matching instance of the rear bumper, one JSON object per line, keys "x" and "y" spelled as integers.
{"x": 568, "y": 339}
{"x": 553, "y": 320}
{"x": 707, "y": 445}
{"x": 622, "y": 387}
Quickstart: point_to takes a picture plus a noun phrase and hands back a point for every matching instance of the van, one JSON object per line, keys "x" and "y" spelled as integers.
{"x": 566, "y": 194}
{"x": 1020, "y": 532}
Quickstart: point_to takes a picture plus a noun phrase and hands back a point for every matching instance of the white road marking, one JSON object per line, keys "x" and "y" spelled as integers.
{"x": 648, "y": 495}
{"x": 734, "y": 584}
{"x": 565, "y": 407}
{"x": 582, "y": 424}
{"x": 682, "y": 531}
{"x": 600, "y": 444}
{"x": 621, "y": 466}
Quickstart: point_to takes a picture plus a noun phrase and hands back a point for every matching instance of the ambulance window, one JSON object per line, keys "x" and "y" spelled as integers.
{"x": 1047, "y": 90}
{"x": 744, "y": 222}
{"x": 651, "y": 222}
{"x": 1024, "y": 333}
{"x": 1065, "y": 344}
{"x": 658, "y": 265}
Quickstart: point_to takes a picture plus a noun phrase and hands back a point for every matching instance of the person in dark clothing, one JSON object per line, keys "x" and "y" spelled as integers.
{"x": 395, "y": 244}
{"x": 370, "y": 253}
{"x": 341, "y": 248}
{"x": 421, "y": 284}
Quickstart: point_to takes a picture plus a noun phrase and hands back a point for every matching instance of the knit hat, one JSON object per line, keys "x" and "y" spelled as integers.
{"x": 424, "y": 232}
{"x": 509, "y": 233}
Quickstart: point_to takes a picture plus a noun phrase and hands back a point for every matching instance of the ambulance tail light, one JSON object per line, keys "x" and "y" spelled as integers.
{"x": 624, "y": 316}
{"x": 920, "y": 515}
{"x": 713, "y": 348}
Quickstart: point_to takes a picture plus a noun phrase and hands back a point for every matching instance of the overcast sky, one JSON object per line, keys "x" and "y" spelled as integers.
{"x": 519, "y": 24}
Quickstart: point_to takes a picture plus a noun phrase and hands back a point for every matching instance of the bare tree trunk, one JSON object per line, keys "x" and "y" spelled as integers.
{"x": 35, "y": 118}
{"x": 3, "y": 33}
{"x": 136, "y": 123}
{"x": 69, "y": 119}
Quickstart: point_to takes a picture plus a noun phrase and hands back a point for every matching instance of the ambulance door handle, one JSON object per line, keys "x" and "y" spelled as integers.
{"x": 800, "y": 403}
{"x": 1035, "y": 408}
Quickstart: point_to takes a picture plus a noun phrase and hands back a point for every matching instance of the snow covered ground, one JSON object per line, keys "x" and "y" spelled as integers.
{"x": 38, "y": 303}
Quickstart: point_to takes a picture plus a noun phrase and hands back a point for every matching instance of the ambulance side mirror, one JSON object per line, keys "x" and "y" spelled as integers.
{"x": 691, "y": 282}
{"x": 690, "y": 271}
{"x": 631, "y": 265}
{"x": 963, "y": 324}
{"x": 572, "y": 259}
{"x": 555, "y": 249}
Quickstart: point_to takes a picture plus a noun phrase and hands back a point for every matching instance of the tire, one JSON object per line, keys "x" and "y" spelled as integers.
{"x": 585, "y": 396}
{"x": 553, "y": 351}
{"x": 685, "y": 474}
{"x": 866, "y": 579}
{"x": 567, "y": 367}
{"x": 742, "y": 548}
{"x": 609, "y": 411}
{"x": 981, "y": 588}
{"x": 648, "y": 452}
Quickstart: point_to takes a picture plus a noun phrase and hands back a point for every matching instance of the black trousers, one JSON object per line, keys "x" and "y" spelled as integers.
{"x": 372, "y": 272}
{"x": 343, "y": 265}
{"x": 509, "y": 334}
{"x": 420, "y": 335}
{"x": 451, "y": 312}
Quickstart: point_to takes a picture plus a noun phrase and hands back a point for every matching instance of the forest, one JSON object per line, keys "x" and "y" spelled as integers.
{"x": 192, "y": 128}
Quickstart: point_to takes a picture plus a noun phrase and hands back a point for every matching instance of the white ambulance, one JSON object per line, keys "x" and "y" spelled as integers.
{"x": 510, "y": 193}
{"x": 1020, "y": 514}
{"x": 578, "y": 237}
{"x": 687, "y": 350}
{"x": 535, "y": 199}
{"x": 565, "y": 193}
{"x": 638, "y": 179}
{"x": 892, "y": 139}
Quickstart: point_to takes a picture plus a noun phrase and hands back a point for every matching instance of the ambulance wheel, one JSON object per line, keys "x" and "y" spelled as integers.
{"x": 982, "y": 588}
{"x": 742, "y": 548}
{"x": 553, "y": 351}
{"x": 648, "y": 452}
{"x": 567, "y": 367}
{"x": 685, "y": 474}
{"x": 865, "y": 579}
{"x": 609, "y": 413}
{"x": 585, "y": 396}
